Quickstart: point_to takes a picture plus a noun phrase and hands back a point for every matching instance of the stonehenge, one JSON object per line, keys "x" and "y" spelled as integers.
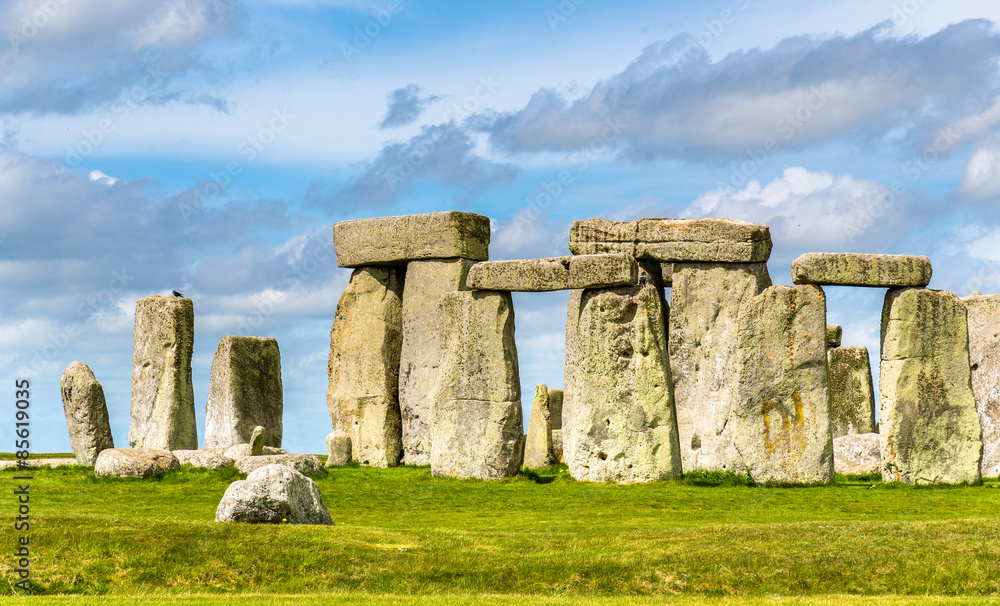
{"x": 244, "y": 393}
{"x": 86, "y": 413}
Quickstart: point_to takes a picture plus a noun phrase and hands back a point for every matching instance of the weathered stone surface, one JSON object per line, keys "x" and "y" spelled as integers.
{"x": 302, "y": 463}
{"x": 618, "y": 408}
{"x": 339, "y": 449}
{"x": 667, "y": 273}
{"x": 476, "y": 423}
{"x": 781, "y": 428}
{"x": 834, "y": 335}
{"x": 257, "y": 439}
{"x": 86, "y": 413}
{"x": 538, "y": 443}
{"x": 274, "y": 494}
{"x": 706, "y": 240}
{"x": 927, "y": 418}
{"x": 135, "y": 462}
{"x": 557, "y": 446}
{"x": 162, "y": 393}
{"x": 984, "y": 357}
{"x": 855, "y": 269}
{"x": 397, "y": 240}
{"x": 53, "y": 463}
{"x": 705, "y": 304}
{"x": 244, "y": 392}
{"x": 422, "y": 347}
{"x": 555, "y": 407}
{"x": 555, "y": 273}
{"x": 365, "y": 346}
{"x": 271, "y": 450}
{"x": 852, "y": 397}
{"x": 857, "y": 453}
{"x": 206, "y": 458}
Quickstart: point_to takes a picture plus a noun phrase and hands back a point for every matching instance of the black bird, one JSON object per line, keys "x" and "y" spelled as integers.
{"x": 177, "y": 294}
{"x": 642, "y": 280}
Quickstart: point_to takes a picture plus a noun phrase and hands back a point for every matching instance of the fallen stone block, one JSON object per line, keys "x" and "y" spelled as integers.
{"x": 834, "y": 335}
{"x": 273, "y": 494}
{"x": 857, "y": 453}
{"x": 339, "y": 449}
{"x": 554, "y": 273}
{"x": 928, "y": 420}
{"x": 398, "y": 240}
{"x": 366, "y": 343}
{"x": 854, "y": 269}
{"x": 852, "y": 396}
{"x": 302, "y": 463}
{"x": 984, "y": 358}
{"x": 135, "y": 463}
{"x": 706, "y": 240}
{"x": 244, "y": 392}
{"x": 162, "y": 393}
{"x": 476, "y": 423}
{"x": 538, "y": 442}
{"x": 86, "y": 413}
{"x": 203, "y": 458}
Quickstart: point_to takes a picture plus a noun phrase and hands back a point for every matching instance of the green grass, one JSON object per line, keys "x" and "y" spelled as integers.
{"x": 402, "y": 532}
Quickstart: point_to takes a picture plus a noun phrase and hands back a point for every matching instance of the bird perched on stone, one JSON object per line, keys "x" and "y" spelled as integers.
{"x": 177, "y": 294}
{"x": 642, "y": 280}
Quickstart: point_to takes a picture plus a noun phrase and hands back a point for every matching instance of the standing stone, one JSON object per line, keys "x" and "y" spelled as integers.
{"x": 339, "y": 450}
{"x": 257, "y": 441}
{"x": 618, "y": 412}
{"x": 857, "y": 454}
{"x": 244, "y": 392}
{"x": 162, "y": 393}
{"x": 984, "y": 356}
{"x": 928, "y": 421}
{"x": 476, "y": 423}
{"x": 781, "y": 427}
{"x": 86, "y": 413}
{"x": 705, "y": 303}
{"x": 852, "y": 397}
{"x": 538, "y": 446}
{"x": 555, "y": 408}
{"x": 557, "y": 446}
{"x": 421, "y": 353}
{"x": 365, "y": 346}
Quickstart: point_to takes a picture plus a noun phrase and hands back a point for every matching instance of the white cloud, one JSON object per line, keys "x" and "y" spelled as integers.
{"x": 981, "y": 175}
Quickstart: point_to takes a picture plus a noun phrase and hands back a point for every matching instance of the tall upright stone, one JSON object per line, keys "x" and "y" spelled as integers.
{"x": 852, "y": 397}
{"x": 162, "y": 393}
{"x": 476, "y": 422}
{"x": 705, "y": 304}
{"x": 422, "y": 347}
{"x": 781, "y": 427}
{"x": 365, "y": 346}
{"x": 984, "y": 357}
{"x": 86, "y": 413}
{"x": 555, "y": 407}
{"x": 538, "y": 443}
{"x": 928, "y": 420}
{"x": 244, "y": 392}
{"x": 618, "y": 409}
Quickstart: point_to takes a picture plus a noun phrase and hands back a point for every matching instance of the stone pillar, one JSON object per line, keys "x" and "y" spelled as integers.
{"x": 852, "y": 397}
{"x": 781, "y": 427}
{"x": 422, "y": 347}
{"x": 476, "y": 422}
{"x": 365, "y": 345}
{"x": 618, "y": 411}
{"x": 162, "y": 394}
{"x": 538, "y": 445}
{"x": 705, "y": 304}
{"x": 244, "y": 392}
{"x": 928, "y": 421}
{"x": 984, "y": 357}
{"x": 86, "y": 413}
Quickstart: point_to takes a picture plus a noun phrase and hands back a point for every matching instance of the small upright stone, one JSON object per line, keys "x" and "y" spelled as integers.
{"x": 244, "y": 392}
{"x": 257, "y": 441}
{"x": 398, "y": 240}
{"x": 984, "y": 357}
{"x": 338, "y": 447}
{"x": 86, "y": 413}
{"x": 162, "y": 393}
{"x": 928, "y": 420}
{"x": 834, "y": 333}
{"x": 852, "y": 397}
{"x": 854, "y": 269}
{"x": 538, "y": 445}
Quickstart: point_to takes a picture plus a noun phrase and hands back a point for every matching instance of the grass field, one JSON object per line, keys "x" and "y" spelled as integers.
{"x": 540, "y": 538}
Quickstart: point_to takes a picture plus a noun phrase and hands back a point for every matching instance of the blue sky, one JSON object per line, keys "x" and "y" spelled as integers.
{"x": 209, "y": 145}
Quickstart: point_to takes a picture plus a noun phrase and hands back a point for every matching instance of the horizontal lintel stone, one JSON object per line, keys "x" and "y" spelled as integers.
{"x": 856, "y": 269}
{"x": 555, "y": 273}
{"x": 397, "y": 240}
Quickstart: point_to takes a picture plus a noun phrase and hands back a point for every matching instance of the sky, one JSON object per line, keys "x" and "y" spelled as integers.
{"x": 208, "y": 146}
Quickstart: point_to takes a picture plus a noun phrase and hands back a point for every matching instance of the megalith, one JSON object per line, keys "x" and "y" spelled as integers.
{"x": 781, "y": 426}
{"x": 538, "y": 442}
{"x": 857, "y": 269}
{"x": 852, "y": 397}
{"x": 162, "y": 393}
{"x": 86, "y": 413}
{"x": 618, "y": 421}
{"x": 834, "y": 335}
{"x": 244, "y": 392}
{"x": 928, "y": 420}
{"x": 398, "y": 240}
{"x": 984, "y": 357}
{"x": 365, "y": 346}
{"x": 476, "y": 421}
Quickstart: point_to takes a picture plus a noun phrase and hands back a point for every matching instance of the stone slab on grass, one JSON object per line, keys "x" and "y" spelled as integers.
{"x": 274, "y": 494}
{"x": 135, "y": 463}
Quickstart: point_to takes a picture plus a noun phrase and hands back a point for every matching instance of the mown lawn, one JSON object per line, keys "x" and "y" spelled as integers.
{"x": 540, "y": 538}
